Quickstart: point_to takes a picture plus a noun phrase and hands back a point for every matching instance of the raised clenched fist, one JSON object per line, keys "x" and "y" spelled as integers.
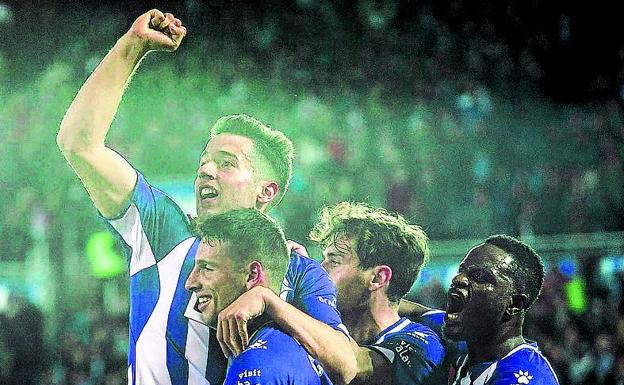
{"x": 158, "y": 31}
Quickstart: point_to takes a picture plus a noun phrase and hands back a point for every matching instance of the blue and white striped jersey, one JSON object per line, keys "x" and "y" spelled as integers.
{"x": 273, "y": 358}
{"x": 524, "y": 365}
{"x": 414, "y": 352}
{"x": 169, "y": 344}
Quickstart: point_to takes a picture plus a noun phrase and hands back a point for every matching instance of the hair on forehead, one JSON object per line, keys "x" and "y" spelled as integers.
{"x": 379, "y": 238}
{"x": 529, "y": 275}
{"x": 247, "y": 235}
{"x": 272, "y": 146}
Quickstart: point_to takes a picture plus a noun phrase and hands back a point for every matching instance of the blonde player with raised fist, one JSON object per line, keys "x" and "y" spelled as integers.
{"x": 245, "y": 164}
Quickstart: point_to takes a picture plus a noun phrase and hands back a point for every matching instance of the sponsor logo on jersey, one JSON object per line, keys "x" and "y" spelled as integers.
{"x": 328, "y": 301}
{"x": 245, "y": 375}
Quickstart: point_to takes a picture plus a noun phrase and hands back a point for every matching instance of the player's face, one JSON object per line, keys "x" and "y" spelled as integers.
{"x": 479, "y": 294}
{"x": 225, "y": 176}
{"x": 342, "y": 264}
{"x": 215, "y": 280}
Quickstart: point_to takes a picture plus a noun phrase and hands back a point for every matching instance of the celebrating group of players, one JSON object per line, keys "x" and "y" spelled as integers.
{"x": 224, "y": 298}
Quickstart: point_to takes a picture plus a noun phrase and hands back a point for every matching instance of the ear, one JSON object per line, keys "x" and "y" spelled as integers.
{"x": 256, "y": 275}
{"x": 268, "y": 192}
{"x": 381, "y": 276}
{"x": 517, "y": 304}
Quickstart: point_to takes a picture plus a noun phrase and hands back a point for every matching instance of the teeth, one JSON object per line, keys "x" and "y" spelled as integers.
{"x": 452, "y": 316}
{"x": 204, "y": 299}
{"x": 208, "y": 192}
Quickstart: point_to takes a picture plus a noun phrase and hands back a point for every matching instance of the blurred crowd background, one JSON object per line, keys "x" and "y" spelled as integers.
{"x": 468, "y": 117}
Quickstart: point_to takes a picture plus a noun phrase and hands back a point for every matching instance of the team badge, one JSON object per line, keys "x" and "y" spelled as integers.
{"x": 523, "y": 378}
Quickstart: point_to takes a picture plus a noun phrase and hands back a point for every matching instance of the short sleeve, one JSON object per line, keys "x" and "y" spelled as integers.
{"x": 413, "y": 359}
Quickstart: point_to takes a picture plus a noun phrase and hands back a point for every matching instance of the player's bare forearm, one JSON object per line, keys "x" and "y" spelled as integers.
{"x": 107, "y": 176}
{"x": 412, "y": 310}
{"x": 89, "y": 116}
{"x": 334, "y": 350}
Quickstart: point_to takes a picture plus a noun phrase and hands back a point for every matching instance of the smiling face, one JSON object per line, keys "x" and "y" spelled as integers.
{"x": 479, "y": 294}
{"x": 225, "y": 176}
{"x": 215, "y": 280}
{"x": 342, "y": 264}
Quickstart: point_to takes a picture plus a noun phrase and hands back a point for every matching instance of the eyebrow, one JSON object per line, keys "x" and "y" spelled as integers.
{"x": 334, "y": 254}
{"x": 202, "y": 262}
{"x": 220, "y": 153}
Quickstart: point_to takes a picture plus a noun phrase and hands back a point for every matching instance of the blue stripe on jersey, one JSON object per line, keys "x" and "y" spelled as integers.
{"x": 177, "y": 323}
{"x": 144, "y": 291}
{"x": 164, "y": 223}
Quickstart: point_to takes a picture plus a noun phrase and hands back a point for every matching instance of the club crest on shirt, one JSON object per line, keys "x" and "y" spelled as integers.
{"x": 419, "y": 335}
{"x": 523, "y": 378}
{"x": 260, "y": 344}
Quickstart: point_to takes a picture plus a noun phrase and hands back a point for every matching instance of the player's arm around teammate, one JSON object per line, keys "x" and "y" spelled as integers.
{"x": 107, "y": 176}
{"x": 340, "y": 356}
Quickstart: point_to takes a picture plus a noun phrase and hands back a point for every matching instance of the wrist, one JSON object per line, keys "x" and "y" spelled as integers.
{"x": 268, "y": 298}
{"x": 132, "y": 47}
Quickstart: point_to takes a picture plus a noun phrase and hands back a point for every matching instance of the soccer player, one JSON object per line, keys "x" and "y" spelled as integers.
{"x": 497, "y": 282}
{"x": 373, "y": 258}
{"x": 245, "y": 164}
{"x": 242, "y": 249}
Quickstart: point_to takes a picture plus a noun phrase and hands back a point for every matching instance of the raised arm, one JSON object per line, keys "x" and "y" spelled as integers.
{"x": 107, "y": 176}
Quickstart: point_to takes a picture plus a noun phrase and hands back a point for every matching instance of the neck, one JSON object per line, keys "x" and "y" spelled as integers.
{"x": 493, "y": 347}
{"x": 365, "y": 324}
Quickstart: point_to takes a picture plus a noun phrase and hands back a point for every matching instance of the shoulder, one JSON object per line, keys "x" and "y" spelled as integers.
{"x": 410, "y": 341}
{"x": 525, "y": 365}
{"x": 433, "y": 319}
{"x": 272, "y": 357}
{"x": 272, "y": 342}
{"x": 302, "y": 265}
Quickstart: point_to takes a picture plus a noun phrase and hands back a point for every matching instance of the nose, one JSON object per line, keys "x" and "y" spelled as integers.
{"x": 207, "y": 170}
{"x": 192, "y": 284}
{"x": 460, "y": 280}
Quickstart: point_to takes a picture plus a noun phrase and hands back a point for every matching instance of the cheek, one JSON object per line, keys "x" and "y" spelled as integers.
{"x": 241, "y": 181}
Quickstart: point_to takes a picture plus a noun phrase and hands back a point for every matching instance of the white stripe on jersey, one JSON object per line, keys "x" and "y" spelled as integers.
{"x": 394, "y": 329}
{"x": 129, "y": 226}
{"x": 197, "y": 343}
{"x": 386, "y": 352}
{"x": 433, "y": 311}
{"x": 151, "y": 346}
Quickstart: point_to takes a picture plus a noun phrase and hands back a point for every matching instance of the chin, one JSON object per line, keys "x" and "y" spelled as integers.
{"x": 454, "y": 335}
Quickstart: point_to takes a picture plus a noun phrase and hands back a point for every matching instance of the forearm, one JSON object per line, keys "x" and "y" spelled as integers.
{"x": 413, "y": 310}
{"x": 90, "y": 115}
{"x": 334, "y": 350}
